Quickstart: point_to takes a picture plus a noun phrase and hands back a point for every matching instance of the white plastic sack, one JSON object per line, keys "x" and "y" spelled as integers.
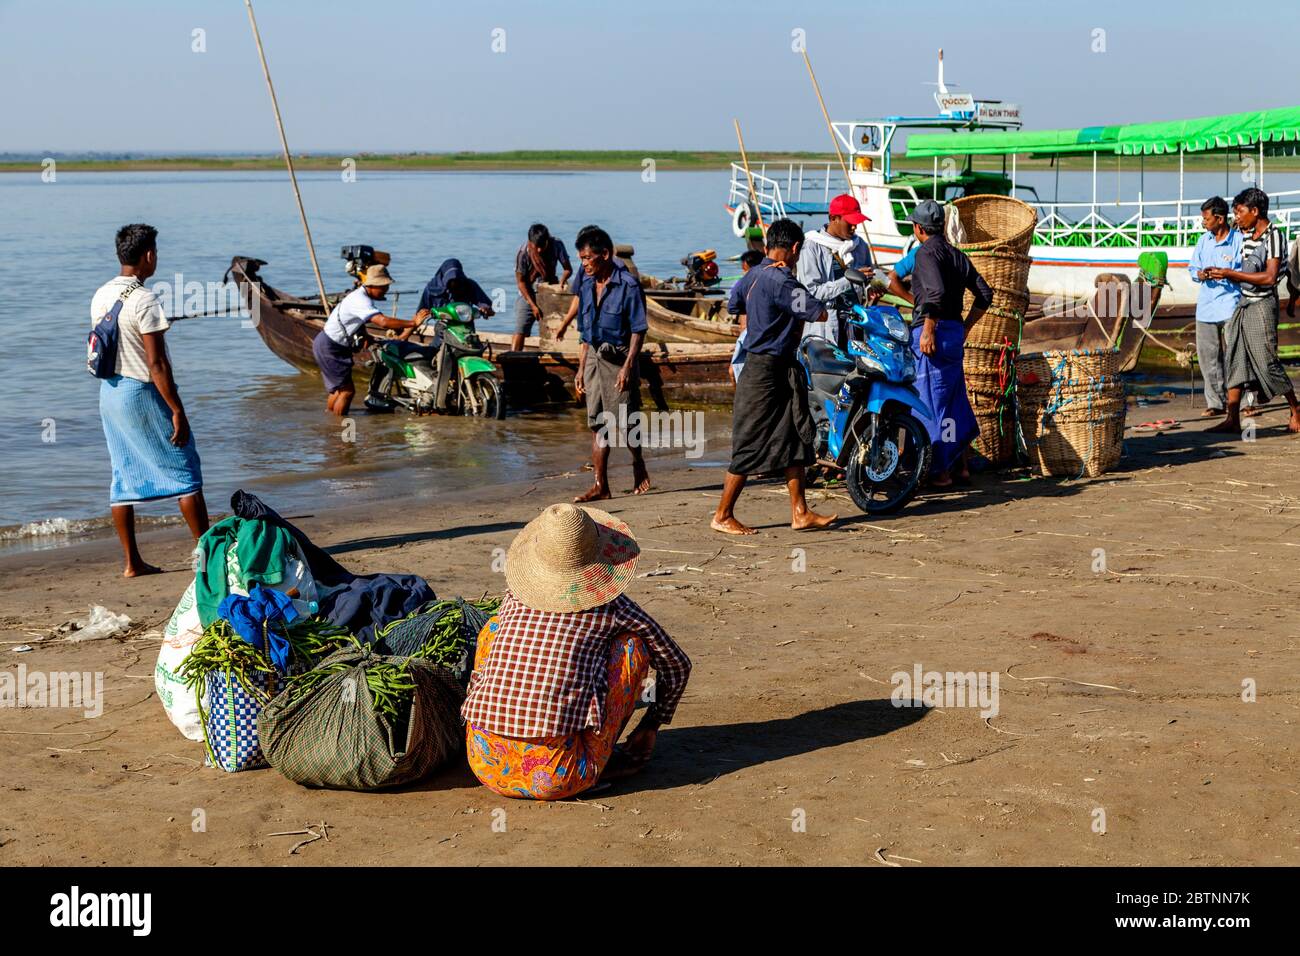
{"x": 185, "y": 627}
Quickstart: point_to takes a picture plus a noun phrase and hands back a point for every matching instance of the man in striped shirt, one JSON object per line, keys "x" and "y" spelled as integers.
{"x": 560, "y": 669}
{"x": 1250, "y": 339}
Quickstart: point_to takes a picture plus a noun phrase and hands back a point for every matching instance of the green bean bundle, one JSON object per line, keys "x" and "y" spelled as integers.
{"x": 390, "y": 685}
{"x": 447, "y": 640}
{"x": 221, "y": 649}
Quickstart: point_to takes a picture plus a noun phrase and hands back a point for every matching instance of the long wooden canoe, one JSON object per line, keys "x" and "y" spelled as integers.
{"x": 673, "y": 314}
{"x": 535, "y": 376}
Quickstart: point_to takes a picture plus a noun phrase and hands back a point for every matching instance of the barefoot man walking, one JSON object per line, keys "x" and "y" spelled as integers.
{"x": 771, "y": 427}
{"x": 610, "y": 308}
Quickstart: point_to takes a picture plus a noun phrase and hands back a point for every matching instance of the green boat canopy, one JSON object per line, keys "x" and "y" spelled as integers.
{"x": 1233, "y": 130}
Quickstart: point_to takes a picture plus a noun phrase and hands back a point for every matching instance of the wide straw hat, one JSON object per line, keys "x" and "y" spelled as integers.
{"x": 377, "y": 275}
{"x": 571, "y": 559}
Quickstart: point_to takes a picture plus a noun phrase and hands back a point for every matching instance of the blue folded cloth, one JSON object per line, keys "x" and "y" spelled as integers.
{"x": 251, "y": 615}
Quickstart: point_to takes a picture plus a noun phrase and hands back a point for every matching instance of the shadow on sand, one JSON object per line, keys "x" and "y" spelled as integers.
{"x": 695, "y": 755}
{"x": 412, "y": 537}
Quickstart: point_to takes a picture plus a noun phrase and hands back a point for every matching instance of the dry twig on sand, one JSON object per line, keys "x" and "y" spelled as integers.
{"x": 321, "y": 832}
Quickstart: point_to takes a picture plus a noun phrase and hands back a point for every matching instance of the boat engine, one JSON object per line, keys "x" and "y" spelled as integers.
{"x": 701, "y": 269}
{"x": 359, "y": 258}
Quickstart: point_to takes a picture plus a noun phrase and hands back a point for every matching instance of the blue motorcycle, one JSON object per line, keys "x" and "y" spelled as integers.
{"x": 866, "y": 407}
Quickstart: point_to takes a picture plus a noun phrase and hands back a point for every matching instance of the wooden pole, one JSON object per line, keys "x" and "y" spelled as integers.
{"x": 753, "y": 195}
{"x": 826, "y": 116}
{"x": 288, "y": 159}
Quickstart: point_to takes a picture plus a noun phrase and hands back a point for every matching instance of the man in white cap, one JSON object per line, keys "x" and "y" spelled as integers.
{"x": 345, "y": 333}
{"x": 560, "y": 668}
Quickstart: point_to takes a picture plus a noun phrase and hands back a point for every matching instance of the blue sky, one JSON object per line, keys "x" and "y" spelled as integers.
{"x": 399, "y": 75}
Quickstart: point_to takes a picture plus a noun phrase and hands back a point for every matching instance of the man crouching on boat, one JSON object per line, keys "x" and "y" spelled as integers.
{"x": 560, "y": 669}
{"x": 344, "y": 334}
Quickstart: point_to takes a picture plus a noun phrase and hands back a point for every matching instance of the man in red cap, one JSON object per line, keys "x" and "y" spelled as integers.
{"x": 826, "y": 254}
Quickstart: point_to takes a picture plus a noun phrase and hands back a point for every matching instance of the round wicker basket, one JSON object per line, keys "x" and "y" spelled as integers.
{"x": 996, "y": 222}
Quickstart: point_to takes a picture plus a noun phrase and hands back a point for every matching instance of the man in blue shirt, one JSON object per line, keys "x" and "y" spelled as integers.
{"x": 771, "y": 427}
{"x": 609, "y": 305}
{"x": 1219, "y": 247}
{"x": 749, "y": 259}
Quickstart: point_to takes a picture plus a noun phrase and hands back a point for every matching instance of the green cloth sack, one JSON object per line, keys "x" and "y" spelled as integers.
{"x": 335, "y": 738}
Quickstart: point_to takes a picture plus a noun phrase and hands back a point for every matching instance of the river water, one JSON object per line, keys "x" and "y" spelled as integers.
{"x": 260, "y": 424}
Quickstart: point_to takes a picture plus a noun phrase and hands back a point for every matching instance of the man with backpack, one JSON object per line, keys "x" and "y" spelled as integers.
{"x": 148, "y": 435}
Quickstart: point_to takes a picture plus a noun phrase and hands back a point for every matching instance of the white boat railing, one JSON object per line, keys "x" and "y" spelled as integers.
{"x": 1134, "y": 224}
{"x": 1144, "y": 223}
{"x": 803, "y": 184}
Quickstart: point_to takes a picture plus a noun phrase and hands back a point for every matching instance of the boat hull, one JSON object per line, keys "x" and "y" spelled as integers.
{"x": 672, "y": 315}
{"x": 536, "y": 376}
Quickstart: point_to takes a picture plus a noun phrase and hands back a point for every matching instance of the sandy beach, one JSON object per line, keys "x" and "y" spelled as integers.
{"x": 1121, "y": 684}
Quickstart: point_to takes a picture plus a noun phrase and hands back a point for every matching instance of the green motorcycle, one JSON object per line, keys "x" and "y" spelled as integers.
{"x": 448, "y": 377}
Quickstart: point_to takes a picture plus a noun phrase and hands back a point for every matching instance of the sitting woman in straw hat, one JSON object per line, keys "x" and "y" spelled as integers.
{"x": 559, "y": 670}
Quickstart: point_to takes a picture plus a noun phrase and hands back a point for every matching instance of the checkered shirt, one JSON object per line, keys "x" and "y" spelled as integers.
{"x": 546, "y": 672}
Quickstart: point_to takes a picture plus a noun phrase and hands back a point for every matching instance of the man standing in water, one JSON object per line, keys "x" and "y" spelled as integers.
{"x": 148, "y": 434}
{"x": 345, "y": 333}
{"x": 610, "y": 307}
{"x": 536, "y": 261}
{"x": 772, "y": 429}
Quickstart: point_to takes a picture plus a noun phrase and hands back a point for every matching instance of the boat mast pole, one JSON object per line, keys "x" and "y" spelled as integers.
{"x": 1094, "y": 197}
{"x": 1181, "y": 155}
{"x": 288, "y": 159}
{"x": 826, "y": 116}
{"x": 750, "y": 176}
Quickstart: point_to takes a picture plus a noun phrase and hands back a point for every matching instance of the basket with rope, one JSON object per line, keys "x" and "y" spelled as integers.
{"x": 1071, "y": 409}
{"x": 990, "y": 373}
{"x": 996, "y": 326}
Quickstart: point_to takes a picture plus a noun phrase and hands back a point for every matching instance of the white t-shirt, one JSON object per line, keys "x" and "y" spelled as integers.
{"x": 141, "y": 313}
{"x": 349, "y": 316}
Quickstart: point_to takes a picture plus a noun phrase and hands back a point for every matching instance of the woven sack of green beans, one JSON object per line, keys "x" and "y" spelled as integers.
{"x": 363, "y": 721}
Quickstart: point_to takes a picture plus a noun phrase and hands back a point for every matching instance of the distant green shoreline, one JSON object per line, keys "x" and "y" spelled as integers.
{"x": 598, "y": 160}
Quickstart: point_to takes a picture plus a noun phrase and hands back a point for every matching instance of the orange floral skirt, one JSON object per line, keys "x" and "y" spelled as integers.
{"x": 556, "y": 768}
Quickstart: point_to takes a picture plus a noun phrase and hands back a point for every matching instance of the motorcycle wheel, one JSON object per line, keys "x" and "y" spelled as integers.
{"x": 902, "y": 462}
{"x": 481, "y": 397}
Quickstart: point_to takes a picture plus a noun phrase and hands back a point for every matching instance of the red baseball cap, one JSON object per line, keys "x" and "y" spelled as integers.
{"x": 846, "y": 206}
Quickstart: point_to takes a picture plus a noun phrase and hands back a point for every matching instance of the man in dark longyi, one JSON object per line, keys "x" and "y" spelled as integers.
{"x": 772, "y": 428}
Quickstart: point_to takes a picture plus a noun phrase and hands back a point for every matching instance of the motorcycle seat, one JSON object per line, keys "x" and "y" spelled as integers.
{"x": 823, "y": 358}
{"x": 413, "y": 350}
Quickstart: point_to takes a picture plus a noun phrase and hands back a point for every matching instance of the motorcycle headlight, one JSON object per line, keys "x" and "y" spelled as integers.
{"x": 868, "y": 360}
{"x": 898, "y": 330}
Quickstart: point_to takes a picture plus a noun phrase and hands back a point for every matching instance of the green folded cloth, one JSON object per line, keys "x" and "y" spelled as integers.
{"x": 260, "y": 549}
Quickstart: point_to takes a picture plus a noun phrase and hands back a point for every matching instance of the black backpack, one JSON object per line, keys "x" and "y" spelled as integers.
{"x": 101, "y": 346}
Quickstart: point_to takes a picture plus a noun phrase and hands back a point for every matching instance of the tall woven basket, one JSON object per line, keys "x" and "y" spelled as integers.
{"x": 996, "y": 223}
{"x": 1071, "y": 410}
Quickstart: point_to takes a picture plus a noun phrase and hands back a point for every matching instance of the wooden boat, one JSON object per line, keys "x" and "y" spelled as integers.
{"x": 535, "y": 376}
{"x": 1112, "y": 318}
{"x": 673, "y": 314}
